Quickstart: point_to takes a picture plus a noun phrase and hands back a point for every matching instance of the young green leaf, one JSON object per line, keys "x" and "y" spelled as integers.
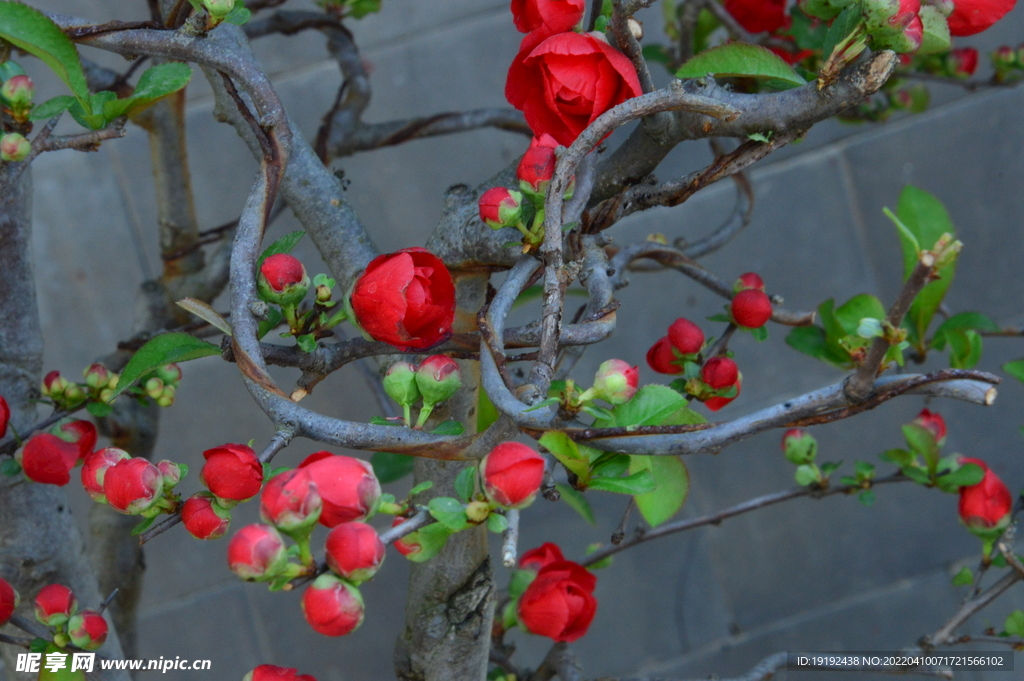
{"x": 422, "y": 487}
{"x": 1015, "y": 369}
{"x": 963, "y": 578}
{"x": 166, "y": 348}
{"x": 1014, "y": 625}
{"x": 431, "y": 539}
{"x": 154, "y": 84}
{"x": 389, "y": 467}
{"x": 567, "y": 453}
{"x": 743, "y": 60}
{"x": 673, "y": 486}
{"x": 497, "y": 523}
{"x": 51, "y": 107}
{"x": 649, "y": 406}
{"x": 449, "y": 512}
{"x": 283, "y": 245}
{"x": 638, "y": 483}
{"x": 465, "y": 483}
{"x": 577, "y": 501}
{"x": 30, "y": 30}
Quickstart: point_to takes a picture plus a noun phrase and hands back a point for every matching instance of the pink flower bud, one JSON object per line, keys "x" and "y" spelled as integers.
{"x": 257, "y": 553}
{"x": 347, "y": 486}
{"x": 537, "y": 166}
{"x": 171, "y": 472}
{"x": 80, "y": 433}
{"x": 685, "y": 336}
{"x": 438, "y": 378}
{"x": 204, "y": 518}
{"x": 748, "y": 280}
{"x": 268, "y": 672}
{"x": 512, "y": 474}
{"x": 290, "y": 501}
{"x": 94, "y": 470}
{"x": 18, "y": 91}
{"x": 5, "y": 416}
{"x": 500, "y": 207}
{"x": 47, "y": 459}
{"x": 14, "y": 147}
{"x": 751, "y": 308}
{"x": 54, "y": 384}
{"x": 282, "y": 280}
{"x": 799, "y": 446}
{"x": 55, "y": 605}
{"x": 409, "y": 544}
{"x": 96, "y": 376}
{"x": 354, "y": 551}
{"x": 661, "y": 358}
{"x": 88, "y": 630}
{"x": 132, "y": 486}
{"x": 721, "y": 373}
{"x": 963, "y": 61}
{"x": 332, "y": 607}
{"x": 535, "y": 559}
{"x": 987, "y": 505}
{"x": 933, "y": 423}
{"x": 9, "y": 601}
{"x": 616, "y": 381}
{"x": 232, "y": 472}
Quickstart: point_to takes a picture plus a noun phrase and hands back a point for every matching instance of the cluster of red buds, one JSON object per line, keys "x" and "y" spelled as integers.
{"x": 1008, "y": 62}
{"x": 16, "y": 96}
{"x": 282, "y": 281}
{"x": 57, "y": 609}
{"x": 435, "y": 380}
{"x": 133, "y": 485}
{"x": 159, "y": 385}
{"x": 716, "y": 383}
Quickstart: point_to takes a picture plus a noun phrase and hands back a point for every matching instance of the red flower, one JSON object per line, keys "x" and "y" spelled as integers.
{"x": 406, "y": 299}
{"x": 751, "y": 308}
{"x": 257, "y": 553}
{"x": 540, "y": 557}
{"x": 132, "y": 485}
{"x": 5, "y": 416}
{"x": 290, "y": 501}
{"x": 347, "y": 486}
{"x": 55, "y": 605}
{"x": 94, "y": 470}
{"x": 268, "y": 672}
{"x": 204, "y": 518}
{"x": 232, "y": 472}
{"x": 8, "y": 601}
{"x": 565, "y": 82}
{"x": 409, "y": 544}
{"x": 88, "y": 630}
{"x": 512, "y": 474}
{"x": 48, "y": 459}
{"x": 555, "y": 15}
{"x": 332, "y": 607}
{"x": 964, "y": 61}
{"x": 933, "y": 423}
{"x": 661, "y": 358}
{"x": 721, "y": 373}
{"x": 537, "y": 165}
{"x": 499, "y": 207}
{"x": 791, "y": 57}
{"x": 80, "y": 433}
{"x": 758, "y": 15}
{"x": 987, "y": 504}
{"x": 354, "y": 551}
{"x": 974, "y": 16}
{"x": 559, "y": 603}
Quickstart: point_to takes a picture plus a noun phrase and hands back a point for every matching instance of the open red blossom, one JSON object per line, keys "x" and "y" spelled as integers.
{"x": 555, "y": 15}
{"x": 562, "y": 83}
{"x": 559, "y": 603}
{"x": 348, "y": 488}
{"x": 132, "y": 485}
{"x": 8, "y": 601}
{"x": 55, "y": 604}
{"x": 987, "y": 504}
{"x": 332, "y": 607}
{"x": 974, "y": 16}
{"x": 232, "y": 471}
{"x": 543, "y": 555}
{"x": 758, "y": 15}
{"x": 5, "y": 416}
{"x": 406, "y": 299}
{"x": 268, "y": 672}
{"x": 512, "y": 474}
{"x": 48, "y": 459}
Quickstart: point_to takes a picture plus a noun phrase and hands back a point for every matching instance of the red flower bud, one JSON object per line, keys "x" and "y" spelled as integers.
{"x": 171, "y": 472}
{"x": 5, "y": 416}
{"x": 933, "y": 423}
{"x": 748, "y": 280}
{"x": 55, "y": 605}
{"x": 88, "y": 630}
{"x": 751, "y": 308}
{"x": 232, "y": 472}
{"x": 661, "y": 358}
{"x": 94, "y": 470}
{"x": 347, "y": 486}
{"x": 963, "y": 61}
{"x": 81, "y": 433}
{"x": 204, "y": 518}
{"x": 987, "y": 505}
{"x": 96, "y": 376}
{"x": 537, "y": 166}
{"x": 559, "y": 603}
{"x": 555, "y": 15}
{"x": 268, "y": 672}
{"x": 512, "y": 474}
{"x": 758, "y": 15}
{"x": 48, "y": 459}
{"x": 406, "y": 299}
{"x": 290, "y": 501}
{"x": 799, "y": 446}
{"x": 540, "y": 557}
{"x": 354, "y": 551}
{"x": 132, "y": 485}
{"x": 685, "y": 336}
{"x": 500, "y": 207}
{"x": 438, "y": 378}
{"x": 18, "y": 91}
{"x": 408, "y": 544}
{"x": 332, "y": 607}
{"x": 9, "y": 601}
{"x": 54, "y": 384}
{"x": 282, "y": 280}
{"x": 720, "y": 373}
{"x": 616, "y": 381}
{"x": 14, "y": 147}
{"x": 974, "y": 16}
{"x": 257, "y": 553}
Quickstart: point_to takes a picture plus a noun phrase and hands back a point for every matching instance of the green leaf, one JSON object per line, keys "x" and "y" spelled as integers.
{"x": 935, "y": 34}
{"x": 926, "y": 218}
{"x": 164, "y": 349}
{"x": 465, "y": 483}
{"x": 32, "y": 31}
{"x": 649, "y": 406}
{"x": 497, "y": 523}
{"x": 964, "y": 578}
{"x": 205, "y": 311}
{"x": 638, "y": 483}
{"x": 422, "y": 487}
{"x": 51, "y": 107}
{"x": 283, "y": 245}
{"x": 486, "y": 413}
{"x": 760, "y": 333}
{"x": 306, "y": 342}
{"x": 857, "y": 308}
{"x": 1015, "y": 369}
{"x": 432, "y": 539}
{"x": 656, "y": 53}
{"x": 830, "y": 467}
{"x": 143, "y": 526}
{"x": 449, "y": 427}
{"x": 965, "y": 476}
{"x": 577, "y": 501}
{"x": 841, "y": 27}
{"x": 743, "y": 60}
{"x": 866, "y": 497}
{"x": 900, "y": 457}
{"x": 9, "y": 467}
{"x": 9, "y": 69}
{"x": 922, "y": 442}
{"x": 449, "y": 512}
{"x": 1014, "y": 625}
{"x": 964, "y": 348}
{"x": 965, "y": 320}
{"x": 807, "y": 33}
{"x": 918, "y": 475}
{"x": 610, "y": 465}
{"x": 811, "y": 340}
{"x": 567, "y": 453}
{"x": 38, "y": 645}
{"x": 357, "y": 9}
{"x": 63, "y": 674}
{"x": 156, "y": 83}
{"x": 99, "y": 409}
{"x": 389, "y": 467}
{"x": 239, "y": 15}
{"x": 673, "y": 485}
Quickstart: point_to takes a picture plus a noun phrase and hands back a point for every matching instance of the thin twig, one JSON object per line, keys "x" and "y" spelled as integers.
{"x": 944, "y": 636}
{"x": 620, "y": 532}
{"x": 510, "y": 538}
